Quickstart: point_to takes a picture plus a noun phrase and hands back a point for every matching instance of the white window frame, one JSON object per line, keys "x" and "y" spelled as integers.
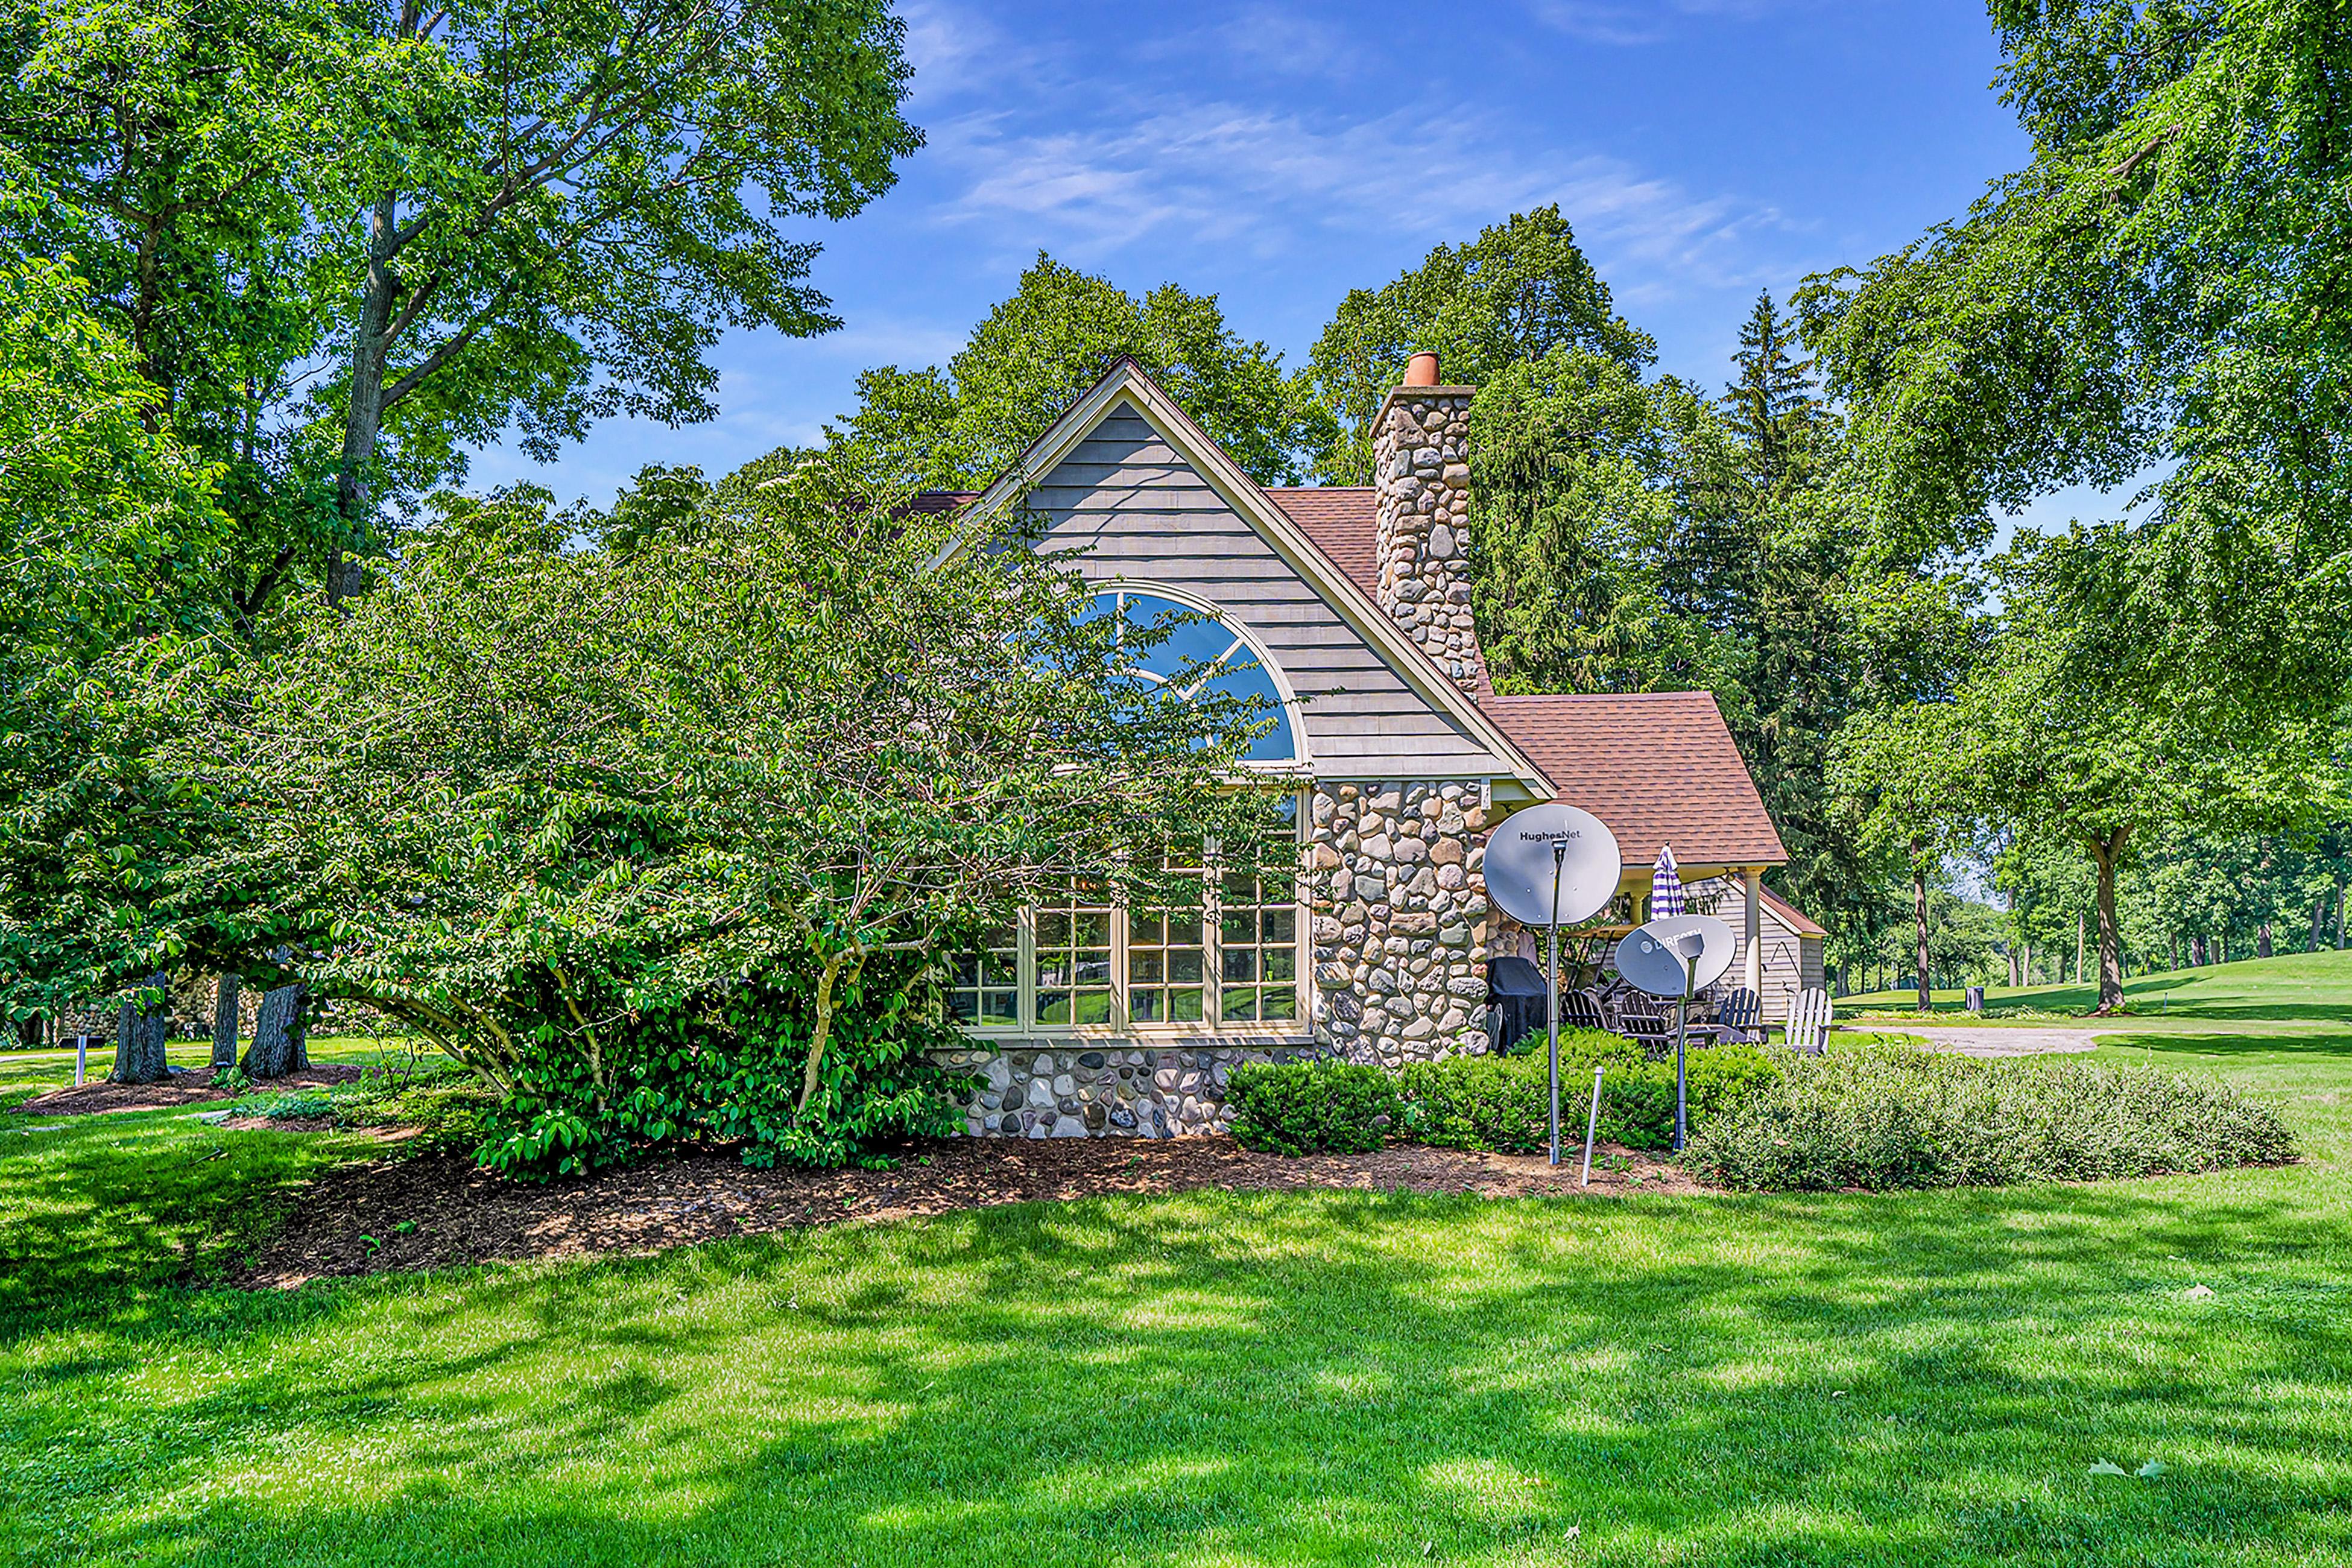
{"x": 1122, "y": 1025}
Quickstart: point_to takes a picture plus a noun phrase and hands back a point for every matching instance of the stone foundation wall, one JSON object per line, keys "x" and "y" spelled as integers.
{"x": 1397, "y": 896}
{"x": 1056, "y": 1089}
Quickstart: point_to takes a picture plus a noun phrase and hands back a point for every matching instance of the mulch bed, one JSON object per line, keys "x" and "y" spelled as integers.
{"x": 183, "y": 1088}
{"x": 349, "y": 1220}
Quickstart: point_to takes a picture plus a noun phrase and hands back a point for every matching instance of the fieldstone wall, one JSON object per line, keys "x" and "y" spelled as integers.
{"x": 1420, "y": 466}
{"x": 1036, "y": 1089}
{"x": 1397, "y": 901}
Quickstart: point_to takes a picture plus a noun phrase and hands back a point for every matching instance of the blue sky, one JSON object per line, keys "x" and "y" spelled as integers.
{"x": 1277, "y": 155}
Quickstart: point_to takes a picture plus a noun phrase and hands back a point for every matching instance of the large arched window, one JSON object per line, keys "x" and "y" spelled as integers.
{"x": 1204, "y": 653}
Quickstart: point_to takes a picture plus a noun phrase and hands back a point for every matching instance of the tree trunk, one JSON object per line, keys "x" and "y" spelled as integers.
{"x": 2340, "y": 916}
{"x": 32, "y": 1033}
{"x": 364, "y": 416}
{"x": 139, "y": 1037}
{"x": 2318, "y": 923}
{"x": 2105, "y": 853}
{"x": 2078, "y": 947}
{"x": 224, "y": 1022}
{"x": 2172, "y": 952}
{"x": 277, "y": 1046}
{"x": 2262, "y": 939}
{"x": 1919, "y": 919}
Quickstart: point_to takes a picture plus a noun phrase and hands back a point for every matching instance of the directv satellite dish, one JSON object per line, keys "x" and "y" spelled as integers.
{"x": 1657, "y": 957}
{"x": 1519, "y": 865}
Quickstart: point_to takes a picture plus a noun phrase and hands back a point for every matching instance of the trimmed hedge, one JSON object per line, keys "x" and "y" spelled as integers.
{"x": 1884, "y": 1115}
{"x": 1503, "y": 1104}
{"x": 1311, "y": 1106}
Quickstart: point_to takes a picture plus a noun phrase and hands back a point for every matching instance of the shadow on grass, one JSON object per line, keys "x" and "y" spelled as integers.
{"x": 1282, "y": 1378}
{"x": 91, "y": 1206}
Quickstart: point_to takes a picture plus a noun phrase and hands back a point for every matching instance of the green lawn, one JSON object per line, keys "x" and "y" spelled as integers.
{"x": 1208, "y": 1378}
{"x": 2305, "y": 988}
{"x": 26, "y": 1073}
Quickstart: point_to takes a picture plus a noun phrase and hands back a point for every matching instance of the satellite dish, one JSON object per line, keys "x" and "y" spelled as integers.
{"x": 1519, "y": 865}
{"x": 1657, "y": 958}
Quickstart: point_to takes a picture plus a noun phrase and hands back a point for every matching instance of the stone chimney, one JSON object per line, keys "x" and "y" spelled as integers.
{"x": 1421, "y": 470}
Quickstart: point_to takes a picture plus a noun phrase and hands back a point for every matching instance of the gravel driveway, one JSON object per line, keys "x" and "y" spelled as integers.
{"x": 1985, "y": 1041}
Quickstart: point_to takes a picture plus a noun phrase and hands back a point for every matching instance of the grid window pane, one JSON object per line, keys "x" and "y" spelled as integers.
{"x": 1166, "y": 956}
{"x": 1074, "y": 958}
{"x": 984, "y": 985}
{"x": 1257, "y": 927}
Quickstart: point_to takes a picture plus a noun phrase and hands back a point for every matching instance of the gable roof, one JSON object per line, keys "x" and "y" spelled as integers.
{"x": 1658, "y": 767}
{"x": 1795, "y": 919}
{"x": 1127, "y": 383}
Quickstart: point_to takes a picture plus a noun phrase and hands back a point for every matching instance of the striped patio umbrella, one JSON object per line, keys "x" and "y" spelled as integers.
{"x": 1666, "y": 886}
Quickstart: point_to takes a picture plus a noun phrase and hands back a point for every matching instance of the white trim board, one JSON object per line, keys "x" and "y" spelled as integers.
{"x": 1126, "y": 385}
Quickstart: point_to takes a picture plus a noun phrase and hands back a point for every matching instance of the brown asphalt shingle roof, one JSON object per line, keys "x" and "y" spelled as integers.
{"x": 1344, "y": 523}
{"x": 1659, "y": 767}
{"x": 1795, "y": 919}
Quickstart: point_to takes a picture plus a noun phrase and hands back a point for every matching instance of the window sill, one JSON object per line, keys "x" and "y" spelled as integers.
{"x": 1144, "y": 1035}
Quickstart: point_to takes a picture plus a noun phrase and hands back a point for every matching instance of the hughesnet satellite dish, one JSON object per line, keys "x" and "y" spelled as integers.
{"x": 1519, "y": 863}
{"x": 1657, "y": 956}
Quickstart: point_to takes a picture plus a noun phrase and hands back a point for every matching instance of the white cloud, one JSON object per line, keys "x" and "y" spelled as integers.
{"x": 1175, "y": 173}
{"x": 1632, "y": 22}
{"x": 957, "y": 49}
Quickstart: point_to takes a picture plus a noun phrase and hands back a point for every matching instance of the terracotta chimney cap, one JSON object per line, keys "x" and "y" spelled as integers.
{"x": 1421, "y": 369}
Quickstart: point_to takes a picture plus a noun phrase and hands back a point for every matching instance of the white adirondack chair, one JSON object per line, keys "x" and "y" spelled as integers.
{"x": 1808, "y": 1020}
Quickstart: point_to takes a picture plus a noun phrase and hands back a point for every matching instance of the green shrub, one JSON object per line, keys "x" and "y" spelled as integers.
{"x": 727, "y": 1068}
{"x": 1503, "y": 1104}
{"x": 1883, "y": 1115}
{"x": 1312, "y": 1107}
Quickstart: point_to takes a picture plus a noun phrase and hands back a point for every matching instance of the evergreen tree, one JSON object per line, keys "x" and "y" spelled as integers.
{"x": 1770, "y": 402}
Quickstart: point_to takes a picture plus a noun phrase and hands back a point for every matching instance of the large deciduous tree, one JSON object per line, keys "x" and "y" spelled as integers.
{"x": 349, "y": 243}
{"x": 345, "y": 244}
{"x": 546, "y": 212}
{"x": 1521, "y": 290}
{"x": 104, "y": 519}
{"x": 2100, "y": 763}
{"x": 2145, "y": 301}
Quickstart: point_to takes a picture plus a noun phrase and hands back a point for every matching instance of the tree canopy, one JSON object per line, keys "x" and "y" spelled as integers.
{"x": 2143, "y": 303}
{"x": 1038, "y": 350}
{"x": 1519, "y": 292}
{"x": 347, "y": 244}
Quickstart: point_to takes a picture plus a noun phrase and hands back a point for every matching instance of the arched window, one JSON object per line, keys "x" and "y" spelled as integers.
{"x": 1205, "y": 652}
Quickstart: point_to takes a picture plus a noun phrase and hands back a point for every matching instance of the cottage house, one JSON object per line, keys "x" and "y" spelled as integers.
{"x": 1368, "y": 936}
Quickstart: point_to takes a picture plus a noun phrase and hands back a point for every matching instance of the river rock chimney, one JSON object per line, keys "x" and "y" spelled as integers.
{"x": 1421, "y": 472}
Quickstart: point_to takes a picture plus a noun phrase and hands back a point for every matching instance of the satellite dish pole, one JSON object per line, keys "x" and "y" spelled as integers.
{"x": 1690, "y": 944}
{"x": 1545, "y": 864}
{"x": 1551, "y": 997}
{"x": 1674, "y": 957}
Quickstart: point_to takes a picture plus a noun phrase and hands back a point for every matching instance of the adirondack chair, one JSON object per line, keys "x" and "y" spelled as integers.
{"x": 1740, "y": 1016}
{"x": 1648, "y": 1021}
{"x": 1582, "y": 1010}
{"x": 1809, "y": 1021}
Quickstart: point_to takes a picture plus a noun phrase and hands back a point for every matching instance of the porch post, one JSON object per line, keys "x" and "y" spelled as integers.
{"x": 1751, "y": 882}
